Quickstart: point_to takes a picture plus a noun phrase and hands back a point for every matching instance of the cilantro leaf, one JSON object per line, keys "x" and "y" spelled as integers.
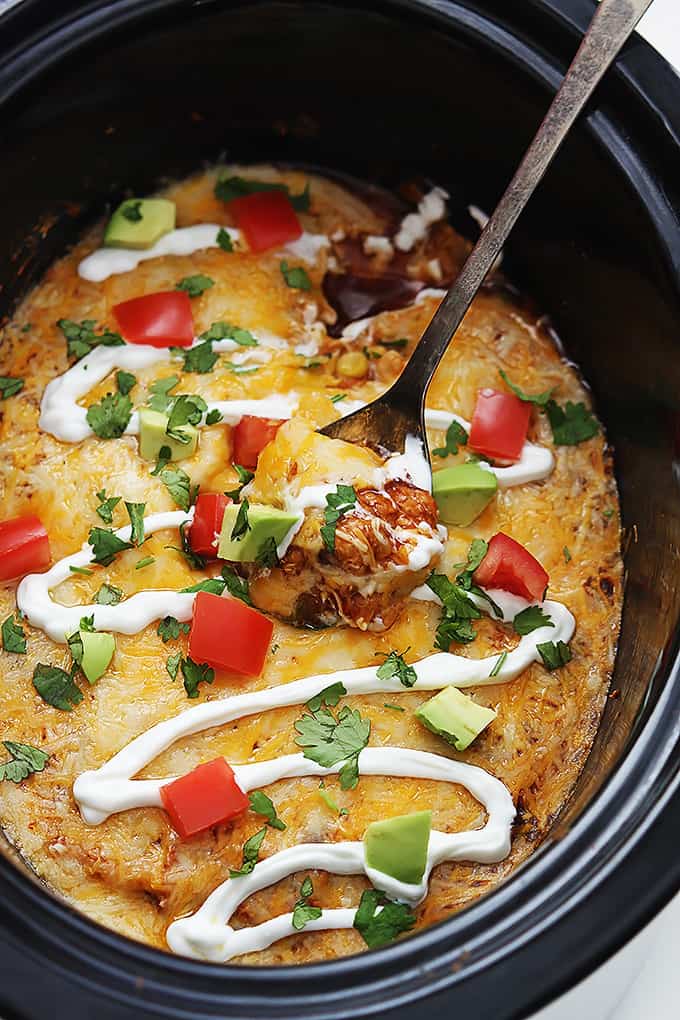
{"x": 377, "y": 928}
{"x": 199, "y": 359}
{"x": 187, "y": 409}
{"x": 395, "y": 665}
{"x": 192, "y": 558}
{"x": 169, "y": 629}
{"x": 244, "y": 476}
{"x": 571, "y": 424}
{"x": 267, "y": 554}
{"x": 107, "y": 504}
{"x": 498, "y": 664}
{"x": 75, "y": 645}
{"x": 337, "y": 505}
{"x": 476, "y": 553}
{"x": 251, "y": 854}
{"x": 261, "y": 804}
{"x": 106, "y": 545}
{"x": 302, "y": 911}
{"x": 397, "y": 344}
{"x": 85, "y": 571}
{"x": 159, "y": 393}
{"x": 456, "y": 436}
{"x": 539, "y": 399}
{"x": 554, "y": 655}
{"x": 146, "y": 562}
{"x": 108, "y": 595}
{"x": 213, "y": 585}
{"x": 329, "y": 696}
{"x": 236, "y": 586}
{"x": 125, "y": 381}
{"x": 111, "y": 416}
{"x": 25, "y": 760}
{"x": 195, "y": 673}
{"x": 56, "y": 687}
{"x": 213, "y": 416}
{"x": 10, "y": 386}
{"x": 81, "y": 338}
{"x": 178, "y": 484}
{"x": 241, "y": 524}
{"x": 131, "y": 210}
{"x": 328, "y": 740}
{"x": 224, "y": 240}
{"x": 172, "y": 664}
{"x": 229, "y": 188}
{"x": 458, "y": 612}
{"x": 195, "y": 285}
{"x": 225, "y": 331}
{"x": 136, "y": 515}
{"x": 13, "y": 637}
{"x": 295, "y": 276}
{"x": 530, "y": 619}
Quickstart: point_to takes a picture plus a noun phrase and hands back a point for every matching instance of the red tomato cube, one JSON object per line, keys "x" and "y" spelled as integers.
{"x": 160, "y": 320}
{"x": 229, "y": 635}
{"x": 207, "y": 523}
{"x": 250, "y": 437}
{"x": 208, "y": 795}
{"x": 24, "y": 547}
{"x": 499, "y": 425}
{"x": 510, "y": 567}
{"x": 267, "y": 219}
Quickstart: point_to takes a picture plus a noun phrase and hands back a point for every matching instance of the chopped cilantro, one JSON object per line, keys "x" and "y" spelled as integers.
{"x": 337, "y": 397}
{"x": 136, "y": 515}
{"x": 397, "y": 344}
{"x": 108, "y": 595}
{"x": 213, "y": 585}
{"x": 81, "y": 337}
{"x": 213, "y": 416}
{"x": 10, "y": 386}
{"x": 111, "y": 416}
{"x": 125, "y": 381}
{"x": 192, "y": 558}
{"x": 476, "y": 553}
{"x": 267, "y": 554}
{"x": 250, "y": 854}
{"x": 229, "y": 188}
{"x": 566, "y": 554}
{"x": 554, "y": 655}
{"x": 328, "y": 740}
{"x": 236, "y": 586}
{"x": 498, "y": 665}
{"x": 295, "y": 276}
{"x": 172, "y": 664}
{"x": 195, "y": 285}
{"x": 530, "y": 619}
{"x": 81, "y": 570}
{"x": 169, "y": 629}
{"x": 455, "y": 624}
{"x": 395, "y": 666}
{"x": 327, "y": 798}
{"x": 146, "y": 562}
{"x": 200, "y": 359}
{"x": 107, "y": 504}
{"x": 329, "y": 696}
{"x": 378, "y": 927}
{"x": 240, "y": 369}
{"x": 244, "y": 476}
{"x": 56, "y": 687}
{"x": 224, "y": 240}
{"x": 195, "y": 673}
{"x": 393, "y": 708}
{"x": 303, "y": 912}
{"x": 337, "y": 504}
{"x": 261, "y": 804}
{"x": 106, "y": 545}
{"x": 178, "y": 484}
{"x": 25, "y": 760}
{"x": 225, "y": 331}
{"x": 13, "y": 636}
{"x": 456, "y": 436}
{"x": 131, "y": 210}
{"x": 159, "y": 393}
{"x": 540, "y": 399}
{"x": 241, "y": 524}
{"x": 571, "y": 424}
{"x": 187, "y": 409}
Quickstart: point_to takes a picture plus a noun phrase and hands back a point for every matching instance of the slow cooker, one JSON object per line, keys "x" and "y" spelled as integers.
{"x": 103, "y": 95}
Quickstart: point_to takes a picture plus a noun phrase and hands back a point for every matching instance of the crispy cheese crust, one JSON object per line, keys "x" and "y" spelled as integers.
{"x": 133, "y": 873}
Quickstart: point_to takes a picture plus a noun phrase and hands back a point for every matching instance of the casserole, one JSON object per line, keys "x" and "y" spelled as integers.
{"x": 560, "y": 236}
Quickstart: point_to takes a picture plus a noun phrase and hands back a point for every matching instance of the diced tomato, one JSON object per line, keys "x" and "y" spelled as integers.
{"x": 250, "y": 437}
{"x": 207, "y": 523}
{"x": 229, "y": 635}
{"x": 160, "y": 320}
{"x": 510, "y": 567}
{"x": 206, "y": 796}
{"x": 499, "y": 425}
{"x": 267, "y": 218}
{"x": 24, "y": 547}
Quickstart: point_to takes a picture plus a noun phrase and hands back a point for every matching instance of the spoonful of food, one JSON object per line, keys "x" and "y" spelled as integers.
{"x": 385, "y": 423}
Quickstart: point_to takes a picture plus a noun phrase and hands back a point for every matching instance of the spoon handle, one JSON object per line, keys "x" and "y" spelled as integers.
{"x": 612, "y": 23}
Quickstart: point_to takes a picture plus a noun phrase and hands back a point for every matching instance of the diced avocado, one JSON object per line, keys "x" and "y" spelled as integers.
{"x": 140, "y": 222}
{"x": 265, "y": 522}
{"x": 152, "y": 436}
{"x": 462, "y": 492}
{"x": 98, "y": 649}
{"x": 455, "y": 717}
{"x": 398, "y": 846}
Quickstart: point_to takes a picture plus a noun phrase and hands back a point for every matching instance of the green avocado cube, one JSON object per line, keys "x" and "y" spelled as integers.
{"x": 264, "y": 523}
{"x": 153, "y": 436}
{"x": 398, "y": 846}
{"x": 455, "y": 717}
{"x": 462, "y": 492}
{"x": 98, "y": 649}
{"x": 140, "y": 222}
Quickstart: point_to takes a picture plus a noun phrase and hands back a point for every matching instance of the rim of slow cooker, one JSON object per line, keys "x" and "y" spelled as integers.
{"x": 528, "y": 930}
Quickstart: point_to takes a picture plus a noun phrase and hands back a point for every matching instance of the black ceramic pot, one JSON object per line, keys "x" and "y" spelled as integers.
{"x": 98, "y": 96}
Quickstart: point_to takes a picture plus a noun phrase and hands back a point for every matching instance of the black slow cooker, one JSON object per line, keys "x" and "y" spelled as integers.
{"x": 104, "y": 95}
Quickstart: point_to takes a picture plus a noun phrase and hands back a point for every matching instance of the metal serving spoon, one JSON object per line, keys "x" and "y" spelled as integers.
{"x": 386, "y": 422}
